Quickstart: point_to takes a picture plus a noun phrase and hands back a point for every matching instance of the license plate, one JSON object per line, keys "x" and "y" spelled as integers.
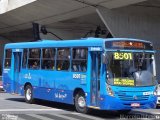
{"x": 135, "y": 105}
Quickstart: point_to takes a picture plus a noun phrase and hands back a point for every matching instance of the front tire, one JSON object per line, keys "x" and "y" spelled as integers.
{"x": 80, "y": 103}
{"x": 29, "y": 94}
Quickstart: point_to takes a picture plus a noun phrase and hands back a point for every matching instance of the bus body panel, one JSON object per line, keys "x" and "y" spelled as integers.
{"x": 52, "y": 85}
{"x": 7, "y": 80}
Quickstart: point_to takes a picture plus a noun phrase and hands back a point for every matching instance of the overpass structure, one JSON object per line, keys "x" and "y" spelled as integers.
{"x": 71, "y": 19}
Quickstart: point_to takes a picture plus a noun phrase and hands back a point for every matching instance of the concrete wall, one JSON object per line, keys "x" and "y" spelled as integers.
{"x": 3, "y": 41}
{"x": 134, "y": 22}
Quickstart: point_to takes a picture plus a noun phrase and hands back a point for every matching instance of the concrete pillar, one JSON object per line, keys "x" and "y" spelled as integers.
{"x": 134, "y": 22}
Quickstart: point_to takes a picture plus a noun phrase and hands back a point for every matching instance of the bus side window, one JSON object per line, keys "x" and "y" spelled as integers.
{"x": 8, "y": 55}
{"x": 48, "y": 58}
{"x": 79, "y": 59}
{"x": 24, "y": 62}
{"x": 63, "y": 59}
{"x": 34, "y": 58}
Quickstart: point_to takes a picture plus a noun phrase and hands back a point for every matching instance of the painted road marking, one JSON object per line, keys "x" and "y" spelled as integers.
{"x": 52, "y": 116}
{"x": 24, "y": 110}
{"x": 146, "y": 111}
{"x": 87, "y": 116}
{"x": 65, "y": 117}
{"x": 41, "y": 117}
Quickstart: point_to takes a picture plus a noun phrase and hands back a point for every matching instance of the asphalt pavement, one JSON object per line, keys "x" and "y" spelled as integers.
{"x": 13, "y": 107}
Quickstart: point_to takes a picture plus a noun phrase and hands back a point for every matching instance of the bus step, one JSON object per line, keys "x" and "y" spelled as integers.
{"x": 94, "y": 107}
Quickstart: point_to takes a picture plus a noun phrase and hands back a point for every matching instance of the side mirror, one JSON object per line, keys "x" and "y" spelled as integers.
{"x": 104, "y": 58}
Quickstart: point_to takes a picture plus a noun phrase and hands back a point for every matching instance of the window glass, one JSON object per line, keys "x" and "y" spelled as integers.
{"x": 63, "y": 59}
{"x": 34, "y": 58}
{"x": 137, "y": 70}
{"x": 8, "y": 55}
{"x": 48, "y": 58}
{"x": 24, "y": 62}
{"x": 34, "y": 53}
{"x": 79, "y": 59}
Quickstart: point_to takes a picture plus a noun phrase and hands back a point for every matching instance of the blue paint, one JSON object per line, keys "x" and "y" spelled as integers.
{"x": 59, "y": 86}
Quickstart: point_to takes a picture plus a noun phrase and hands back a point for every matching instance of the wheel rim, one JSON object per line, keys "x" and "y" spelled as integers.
{"x": 28, "y": 94}
{"x": 81, "y": 102}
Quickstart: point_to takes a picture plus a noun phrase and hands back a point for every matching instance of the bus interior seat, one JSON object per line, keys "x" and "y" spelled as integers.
{"x": 75, "y": 68}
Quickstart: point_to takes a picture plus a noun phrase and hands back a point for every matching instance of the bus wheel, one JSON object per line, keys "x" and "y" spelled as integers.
{"x": 80, "y": 103}
{"x": 29, "y": 94}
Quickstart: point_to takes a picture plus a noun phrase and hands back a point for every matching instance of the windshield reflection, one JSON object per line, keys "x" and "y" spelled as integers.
{"x": 135, "y": 70}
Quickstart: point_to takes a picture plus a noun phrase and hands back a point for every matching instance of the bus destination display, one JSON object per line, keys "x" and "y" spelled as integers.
{"x": 128, "y": 45}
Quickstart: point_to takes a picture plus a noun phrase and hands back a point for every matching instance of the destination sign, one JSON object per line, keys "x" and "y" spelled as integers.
{"x": 123, "y": 81}
{"x": 128, "y": 45}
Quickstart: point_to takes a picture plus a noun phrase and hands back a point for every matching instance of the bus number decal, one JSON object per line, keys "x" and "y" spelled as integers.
{"x": 76, "y": 76}
{"x": 17, "y": 50}
{"x": 95, "y": 49}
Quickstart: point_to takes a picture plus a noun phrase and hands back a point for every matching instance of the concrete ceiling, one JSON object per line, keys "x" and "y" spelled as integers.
{"x": 57, "y": 13}
{"x": 150, "y": 3}
{"x": 84, "y": 23}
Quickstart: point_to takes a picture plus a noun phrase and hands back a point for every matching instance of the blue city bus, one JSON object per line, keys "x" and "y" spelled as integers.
{"x": 106, "y": 74}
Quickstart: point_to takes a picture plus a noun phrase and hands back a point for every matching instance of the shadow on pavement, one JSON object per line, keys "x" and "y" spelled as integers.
{"x": 16, "y": 99}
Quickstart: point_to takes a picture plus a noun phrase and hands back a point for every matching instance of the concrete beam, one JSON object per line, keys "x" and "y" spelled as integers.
{"x": 133, "y": 21}
{"x": 40, "y": 12}
{"x": 119, "y": 3}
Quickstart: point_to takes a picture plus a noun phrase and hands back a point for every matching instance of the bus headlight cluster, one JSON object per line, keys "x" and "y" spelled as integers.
{"x": 155, "y": 91}
{"x": 110, "y": 91}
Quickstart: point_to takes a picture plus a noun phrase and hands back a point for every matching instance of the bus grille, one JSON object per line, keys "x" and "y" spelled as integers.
{"x": 132, "y": 98}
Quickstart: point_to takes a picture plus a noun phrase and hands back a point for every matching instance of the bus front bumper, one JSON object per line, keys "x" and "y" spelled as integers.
{"x": 113, "y": 103}
{"x": 158, "y": 100}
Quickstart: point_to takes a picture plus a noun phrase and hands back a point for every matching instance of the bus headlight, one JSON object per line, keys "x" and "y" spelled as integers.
{"x": 110, "y": 91}
{"x": 155, "y": 91}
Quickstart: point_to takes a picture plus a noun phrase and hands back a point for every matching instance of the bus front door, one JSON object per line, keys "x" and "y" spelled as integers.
{"x": 95, "y": 78}
{"x": 17, "y": 68}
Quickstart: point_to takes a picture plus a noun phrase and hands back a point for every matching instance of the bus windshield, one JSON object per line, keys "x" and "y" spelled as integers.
{"x": 131, "y": 69}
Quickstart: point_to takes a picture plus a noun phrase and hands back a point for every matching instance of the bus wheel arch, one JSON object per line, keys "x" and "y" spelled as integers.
{"x": 27, "y": 83}
{"x": 28, "y": 91}
{"x": 80, "y": 101}
{"x": 76, "y": 91}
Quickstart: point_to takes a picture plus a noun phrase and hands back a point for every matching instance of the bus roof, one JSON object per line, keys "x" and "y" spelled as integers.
{"x": 85, "y": 42}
